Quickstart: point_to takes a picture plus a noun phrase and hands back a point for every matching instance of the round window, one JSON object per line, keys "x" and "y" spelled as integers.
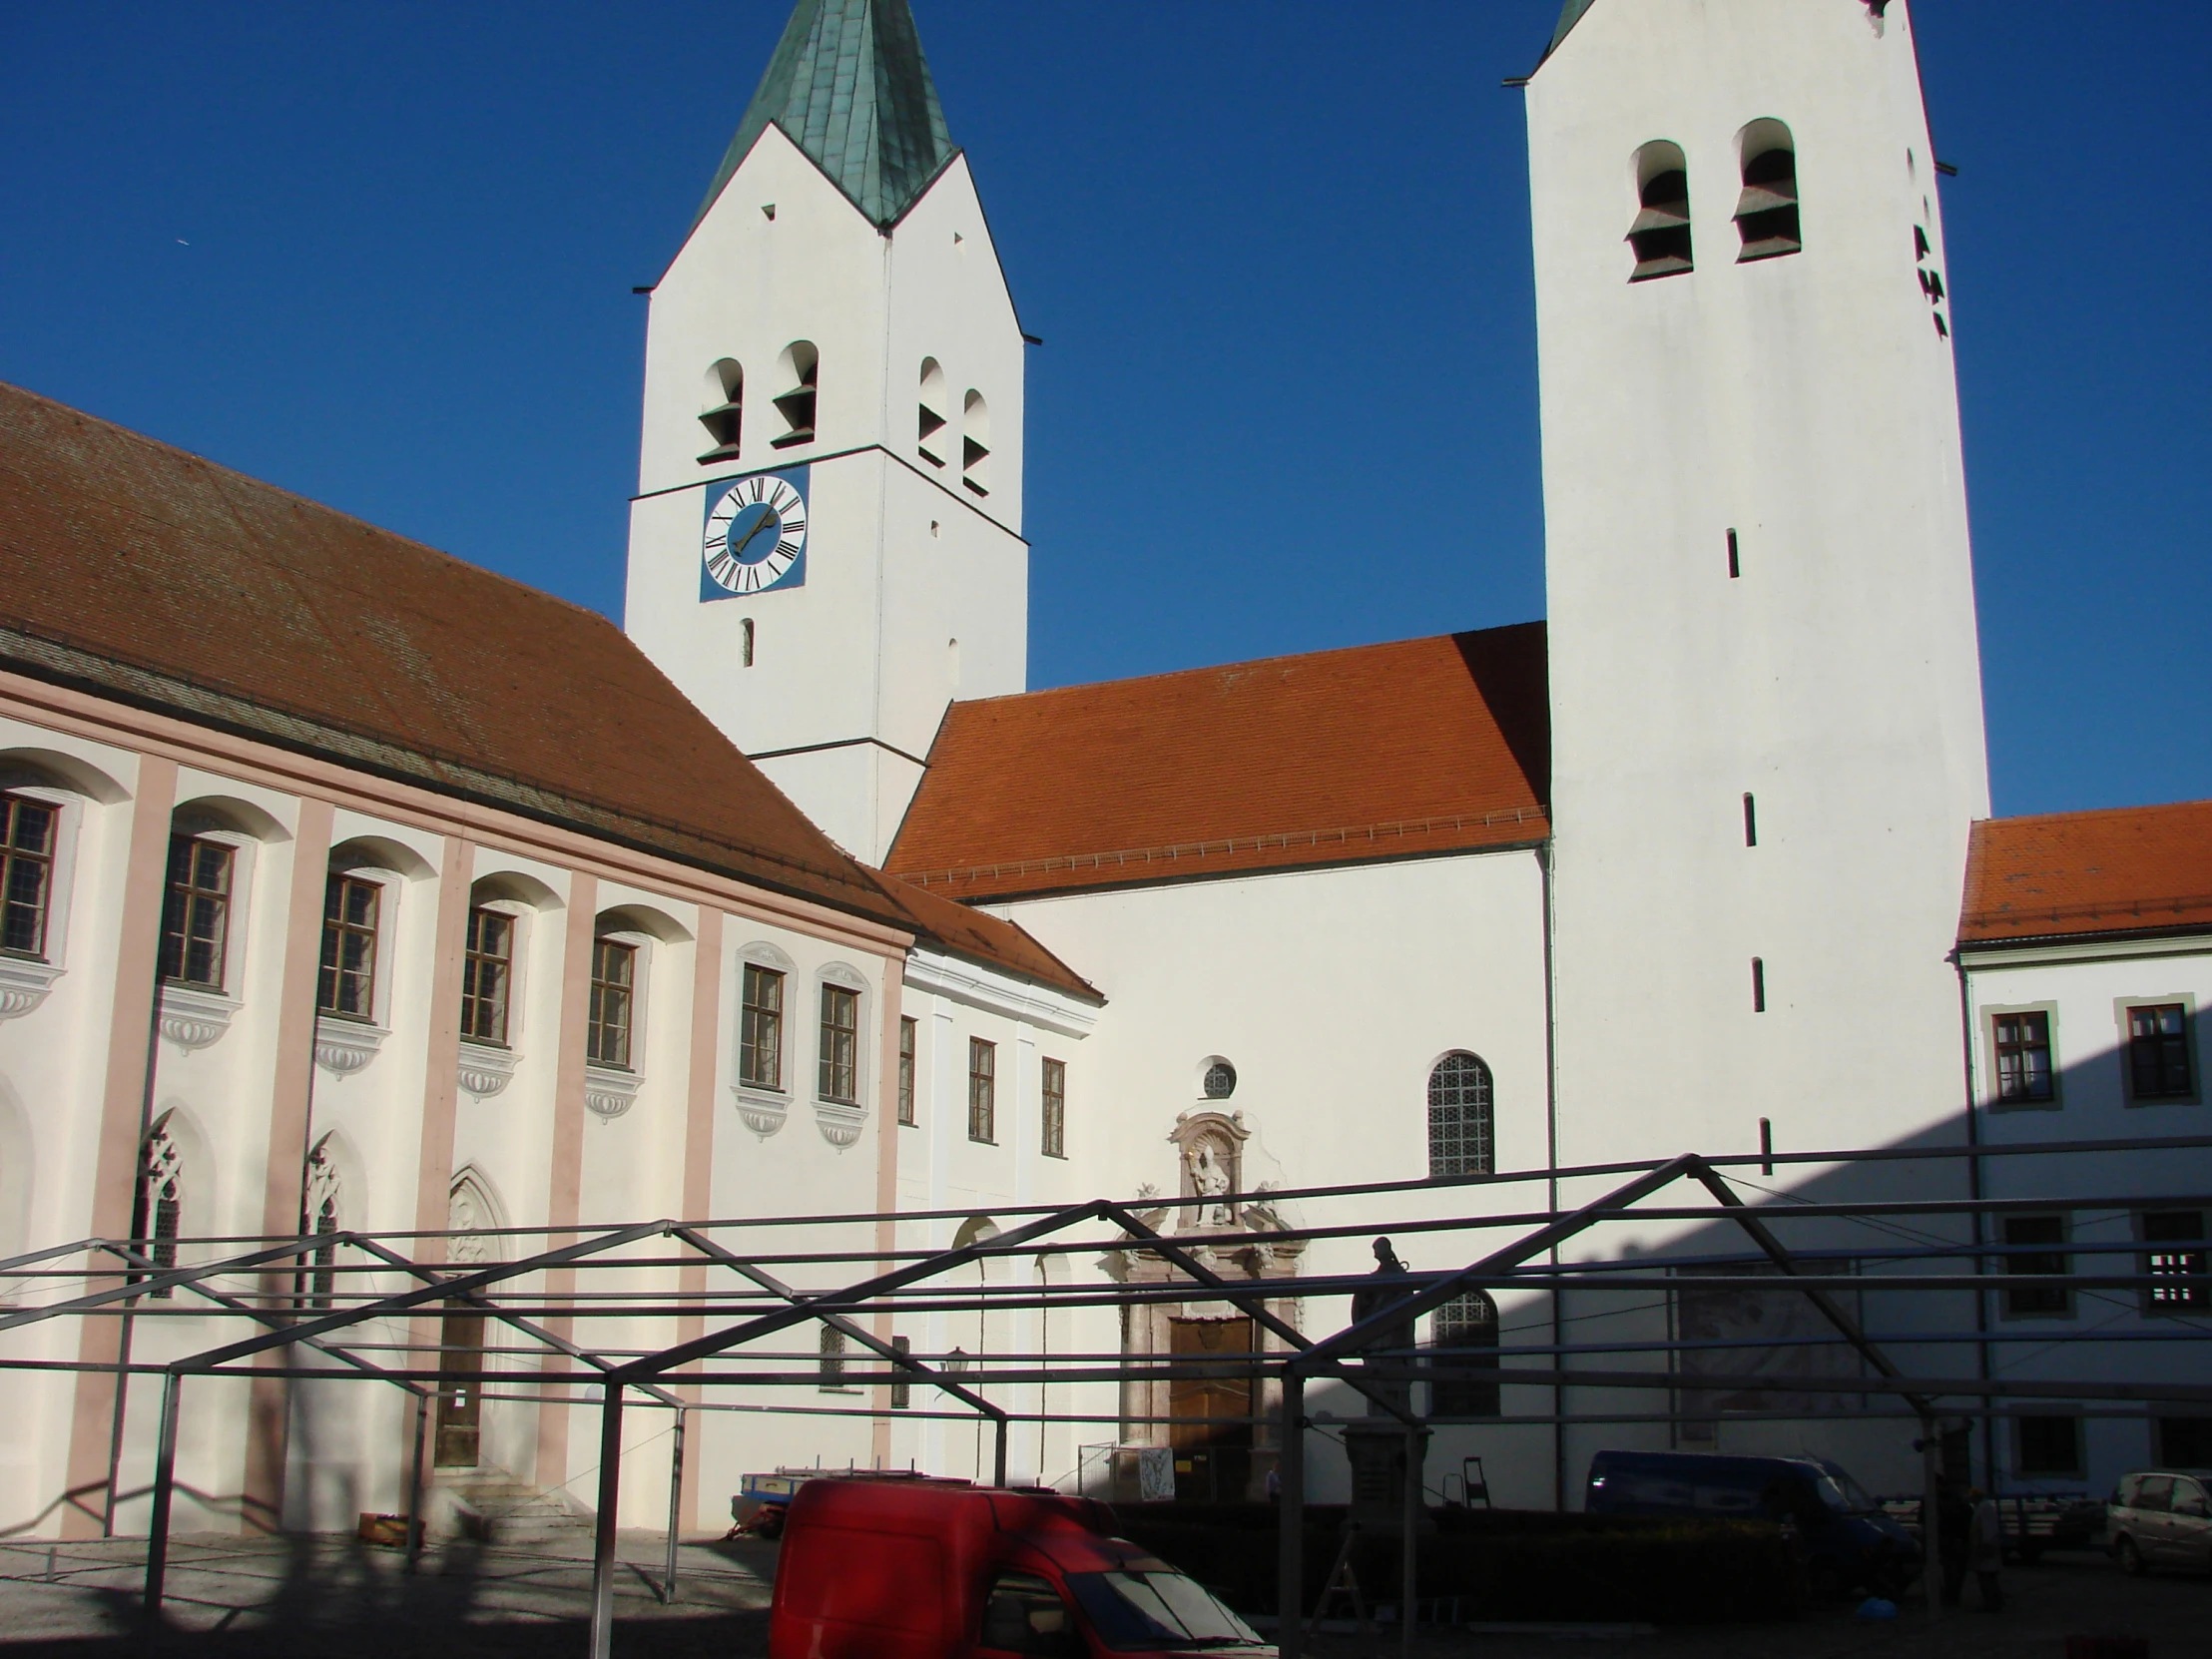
{"x": 1221, "y": 1080}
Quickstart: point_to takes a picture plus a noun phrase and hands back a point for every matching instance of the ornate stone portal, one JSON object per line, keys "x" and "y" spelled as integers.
{"x": 1220, "y": 1455}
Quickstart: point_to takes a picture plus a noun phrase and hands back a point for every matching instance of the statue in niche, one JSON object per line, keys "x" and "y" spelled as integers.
{"x": 1208, "y": 1147}
{"x": 1210, "y": 1180}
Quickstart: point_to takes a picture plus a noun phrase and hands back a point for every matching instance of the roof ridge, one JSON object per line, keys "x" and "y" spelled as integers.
{"x": 136, "y": 436}
{"x": 2095, "y": 812}
{"x": 1247, "y": 661}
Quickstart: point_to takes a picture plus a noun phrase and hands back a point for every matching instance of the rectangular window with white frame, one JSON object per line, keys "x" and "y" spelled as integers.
{"x": 906, "y": 1070}
{"x": 2159, "y": 1052}
{"x": 838, "y": 1071}
{"x": 614, "y": 991}
{"x": 1054, "y": 1093}
{"x": 760, "y": 1029}
{"x": 2024, "y": 1068}
{"x": 983, "y": 1091}
{"x": 351, "y": 912}
{"x": 2035, "y": 1248}
{"x": 196, "y": 911}
{"x": 2048, "y": 1447}
{"x": 2174, "y": 1261}
{"x": 29, "y": 834}
{"x": 487, "y": 975}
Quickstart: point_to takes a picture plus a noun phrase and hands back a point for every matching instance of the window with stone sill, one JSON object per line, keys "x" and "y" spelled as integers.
{"x": 196, "y": 911}
{"x": 2158, "y": 1052}
{"x": 614, "y": 976}
{"x": 839, "y": 1069}
{"x": 352, "y": 909}
{"x": 2022, "y": 1042}
{"x": 29, "y": 836}
{"x": 761, "y": 1028}
{"x": 487, "y": 975}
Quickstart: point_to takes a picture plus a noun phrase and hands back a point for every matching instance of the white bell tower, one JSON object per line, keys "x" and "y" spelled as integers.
{"x": 826, "y": 545}
{"x": 1767, "y": 730}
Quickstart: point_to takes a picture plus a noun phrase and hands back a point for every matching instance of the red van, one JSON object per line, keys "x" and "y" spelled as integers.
{"x": 927, "y": 1569}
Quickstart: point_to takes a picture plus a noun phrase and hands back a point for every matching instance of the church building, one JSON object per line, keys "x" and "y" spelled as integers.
{"x": 329, "y": 910}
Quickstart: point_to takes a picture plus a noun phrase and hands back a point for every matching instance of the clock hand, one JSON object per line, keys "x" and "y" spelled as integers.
{"x": 738, "y": 552}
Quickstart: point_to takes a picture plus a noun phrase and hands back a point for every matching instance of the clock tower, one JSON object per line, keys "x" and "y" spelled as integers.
{"x": 826, "y": 544}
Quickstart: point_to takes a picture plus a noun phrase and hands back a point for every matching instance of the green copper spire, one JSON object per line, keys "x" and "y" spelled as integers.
{"x": 1570, "y": 16}
{"x": 848, "y": 84}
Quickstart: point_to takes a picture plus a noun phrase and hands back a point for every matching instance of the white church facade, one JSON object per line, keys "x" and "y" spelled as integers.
{"x": 326, "y": 908}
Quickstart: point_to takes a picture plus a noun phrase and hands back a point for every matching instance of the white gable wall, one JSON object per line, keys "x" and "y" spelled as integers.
{"x": 916, "y": 586}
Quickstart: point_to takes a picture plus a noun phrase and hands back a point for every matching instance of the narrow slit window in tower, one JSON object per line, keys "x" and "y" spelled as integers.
{"x": 1659, "y": 235}
{"x": 1758, "y": 985}
{"x": 1751, "y": 820}
{"x": 1767, "y": 211}
{"x": 744, "y": 643}
{"x": 1735, "y": 563}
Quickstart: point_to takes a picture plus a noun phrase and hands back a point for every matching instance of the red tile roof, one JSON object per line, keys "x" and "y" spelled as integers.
{"x": 2124, "y": 870}
{"x": 1420, "y": 747}
{"x": 147, "y": 574}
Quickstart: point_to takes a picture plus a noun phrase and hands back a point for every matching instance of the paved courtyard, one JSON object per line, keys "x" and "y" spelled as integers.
{"x": 331, "y": 1599}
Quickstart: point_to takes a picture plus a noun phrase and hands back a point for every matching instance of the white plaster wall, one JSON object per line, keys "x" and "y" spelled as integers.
{"x": 1808, "y": 402}
{"x": 2083, "y": 987}
{"x": 1334, "y": 993}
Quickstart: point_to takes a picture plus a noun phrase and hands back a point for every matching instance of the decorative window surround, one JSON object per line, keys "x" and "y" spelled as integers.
{"x": 344, "y": 1046}
{"x": 610, "y": 1091}
{"x": 485, "y": 1069}
{"x": 193, "y": 1018}
{"x": 840, "y": 1124}
{"x": 764, "y": 1113}
{"x": 24, "y": 983}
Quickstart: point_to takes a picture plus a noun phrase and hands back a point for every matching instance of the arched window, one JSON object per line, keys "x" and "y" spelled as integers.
{"x": 975, "y": 443}
{"x": 1767, "y": 211}
{"x": 725, "y": 414}
{"x": 801, "y": 365}
{"x": 1221, "y": 1080}
{"x": 1660, "y": 232}
{"x": 932, "y": 421}
{"x": 162, "y": 1197}
{"x": 1459, "y": 1116}
{"x": 1464, "y": 1331}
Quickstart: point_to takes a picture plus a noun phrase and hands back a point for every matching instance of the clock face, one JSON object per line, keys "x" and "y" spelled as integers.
{"x": 754, "y": 536}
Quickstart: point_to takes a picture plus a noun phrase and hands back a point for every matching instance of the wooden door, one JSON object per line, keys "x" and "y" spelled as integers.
{"x": 1213, "y": 1456}
{"x": 460, "y": 1404}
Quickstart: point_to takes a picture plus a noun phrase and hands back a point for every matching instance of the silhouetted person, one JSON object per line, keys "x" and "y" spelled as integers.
{"x": 1985, "y": 1548}
{"x": 1954, "y": 1533}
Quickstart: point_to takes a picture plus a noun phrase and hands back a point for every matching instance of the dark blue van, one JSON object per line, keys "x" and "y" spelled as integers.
{"x": 1848, "y": 1543}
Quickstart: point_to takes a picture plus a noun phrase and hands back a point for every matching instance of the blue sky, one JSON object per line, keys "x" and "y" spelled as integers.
{"x": 383, "y": 255}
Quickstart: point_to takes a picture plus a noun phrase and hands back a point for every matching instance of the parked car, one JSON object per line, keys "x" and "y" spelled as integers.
{"x": 1848, "y": 1543}
{"x": 2163, "y": 1518}
{"x": 2034, "y": 1522}
{"x": 899, "y": 1569}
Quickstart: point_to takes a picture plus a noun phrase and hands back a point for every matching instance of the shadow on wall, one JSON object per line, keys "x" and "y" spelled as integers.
{"x": 1758, "y": 1369}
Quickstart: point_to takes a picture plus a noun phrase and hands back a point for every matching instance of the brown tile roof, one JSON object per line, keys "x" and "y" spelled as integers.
{"x": 2124, "y": 870}
{"x": 143, "y": 573}
{"x": 970, "y": 932}
{"x": 1424, "y": 746}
